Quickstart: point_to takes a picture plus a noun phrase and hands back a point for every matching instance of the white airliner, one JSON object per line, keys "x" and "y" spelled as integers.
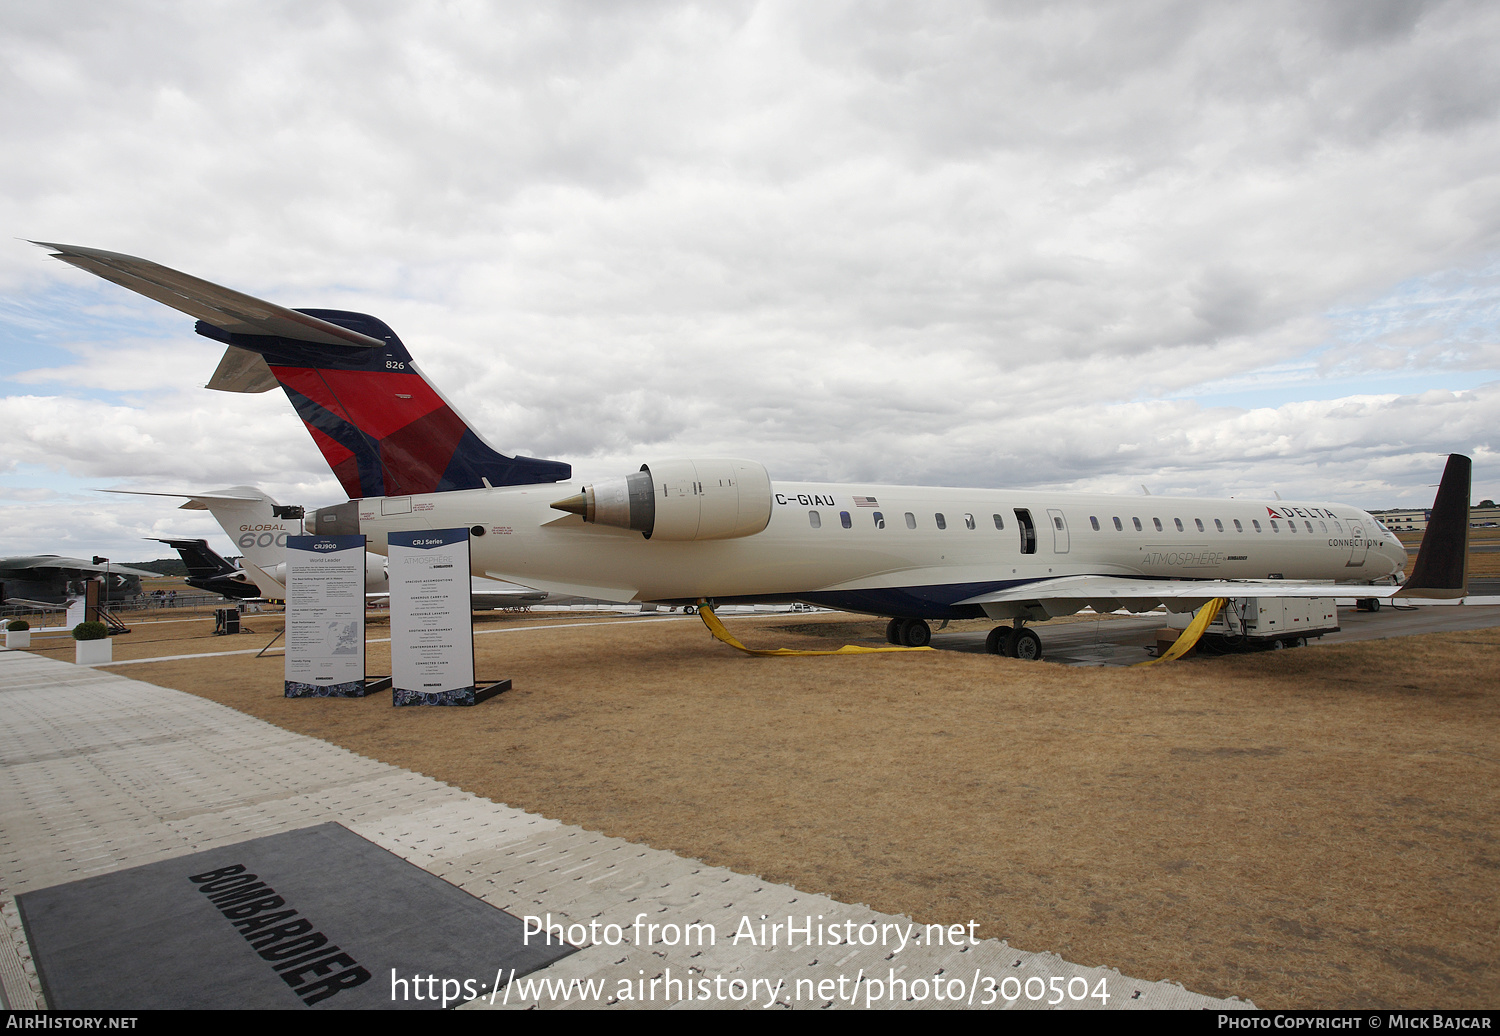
{"x": 681, "y": 531}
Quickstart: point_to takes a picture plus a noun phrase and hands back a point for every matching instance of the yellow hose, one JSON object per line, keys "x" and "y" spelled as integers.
{"x": 1190, "y": 635}
{"x": 717, "y": 629}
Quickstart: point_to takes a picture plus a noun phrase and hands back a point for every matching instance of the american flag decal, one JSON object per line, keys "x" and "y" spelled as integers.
{"x": 866, "y": 501}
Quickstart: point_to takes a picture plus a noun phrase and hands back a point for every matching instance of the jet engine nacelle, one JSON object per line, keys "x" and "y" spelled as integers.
{"x": 681, "y": 500}
{"x": 377, "y": 574}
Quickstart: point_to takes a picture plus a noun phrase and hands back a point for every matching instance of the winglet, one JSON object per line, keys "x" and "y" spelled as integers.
{"x": 1442, "y": 566}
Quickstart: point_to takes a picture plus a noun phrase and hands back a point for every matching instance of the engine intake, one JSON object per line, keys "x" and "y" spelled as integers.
{"x": 681, "y": 500}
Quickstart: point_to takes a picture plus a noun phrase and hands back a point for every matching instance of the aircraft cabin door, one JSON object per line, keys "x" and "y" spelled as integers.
{"x": 1059, "y": 531}
{"x": 1359, "y": 545}
{"x": 1028, "y": 531}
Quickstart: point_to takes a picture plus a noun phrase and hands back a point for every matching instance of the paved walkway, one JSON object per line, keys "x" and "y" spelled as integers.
{"x": 99, "y": 772}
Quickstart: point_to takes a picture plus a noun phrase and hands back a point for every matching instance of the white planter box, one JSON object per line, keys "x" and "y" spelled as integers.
{"x": 18, "y": 638}
{"x": 92, "y": 652}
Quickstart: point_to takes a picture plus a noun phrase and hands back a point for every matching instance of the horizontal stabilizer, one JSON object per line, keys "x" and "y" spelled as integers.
{"x": 233, "y": 311}
{"x": 200, "y": 501}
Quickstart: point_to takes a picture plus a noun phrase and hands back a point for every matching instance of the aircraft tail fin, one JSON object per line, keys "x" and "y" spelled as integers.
{"x": 1442, "y": 566}
{"x": 383, "y": 428}
{"x": 202, "y": 561}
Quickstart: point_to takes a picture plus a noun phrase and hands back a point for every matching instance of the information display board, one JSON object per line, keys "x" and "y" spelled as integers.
{"x": 432, "y": 633}
{"x": 325, "y": 617}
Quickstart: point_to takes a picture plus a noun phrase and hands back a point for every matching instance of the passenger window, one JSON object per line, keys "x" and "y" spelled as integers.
{"x": 1156, "y": 522}
{"x": 1291, "y": 526}
{"x": 1094, "y": 522}
{"x": 1274, "y": 526}
{"x": 969, "y": 522}
{"x": 1057, "y": 521}
{"x": 942, "y": 523}
{"x": 999, "y": 522}
{"x": 1256, "y": 524}
{"x": 879, "y": 520}
{"x": 1237, "y": 526}
{"x": 815, "y": 519}
{"x": 1137, "y": 522}
{"x": 1218, "y": 525}
{"x": 1199, "y": 522}
{"x": 1118, "y": 526}
{"x": 1309, "y": 525}
{"x": 911, "y": 520}
{"x": 1324, "y": 526}
{"x": 1177, "y": 522}
{"x": 1339, "y": 528}
{"x": 845, "y": 520}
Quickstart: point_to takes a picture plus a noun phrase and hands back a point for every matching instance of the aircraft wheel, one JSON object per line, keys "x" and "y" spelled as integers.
{"x": 1374, "y": 604}
{"x": 893, "y": 632}
{"x": 1025, "y": 645}
{"x": 996, "y": 641}
{"x": 915, "y": 633}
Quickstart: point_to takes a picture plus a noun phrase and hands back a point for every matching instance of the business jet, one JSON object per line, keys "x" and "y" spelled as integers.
{"x": 680, "y": 531}
{"x": 47, "y": 580}
{"x": 208, "y": 570}
{"x": 259, "y": 526}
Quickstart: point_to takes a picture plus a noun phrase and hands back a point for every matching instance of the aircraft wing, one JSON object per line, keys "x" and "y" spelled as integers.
{"x": 1111, "y": 593}
{"x": 77, "y": 565}
{"x": 30, "y": 603}
{"x": 269, "y": 587}
{"x": 616, "y": 594}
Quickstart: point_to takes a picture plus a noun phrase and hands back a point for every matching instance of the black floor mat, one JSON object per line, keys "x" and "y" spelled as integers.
{"x": 317, "y": 918}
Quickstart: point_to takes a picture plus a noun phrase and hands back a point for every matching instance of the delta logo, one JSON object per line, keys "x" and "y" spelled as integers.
{"x": 1300, "y": 512}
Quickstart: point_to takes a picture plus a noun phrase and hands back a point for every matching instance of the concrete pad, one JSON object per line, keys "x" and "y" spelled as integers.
{"x": 99, "y": 773}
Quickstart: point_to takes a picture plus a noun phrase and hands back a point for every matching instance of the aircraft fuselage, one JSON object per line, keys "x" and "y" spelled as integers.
{"x": 899, "y": 550}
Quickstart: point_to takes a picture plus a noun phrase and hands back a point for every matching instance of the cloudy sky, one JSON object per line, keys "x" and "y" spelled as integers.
{"x": 1218, "y": 249}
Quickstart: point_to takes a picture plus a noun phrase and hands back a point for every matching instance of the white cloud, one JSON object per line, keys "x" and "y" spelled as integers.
{"x": 981, "y": 244}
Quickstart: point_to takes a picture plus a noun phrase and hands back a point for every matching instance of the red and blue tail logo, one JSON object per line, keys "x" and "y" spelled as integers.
{"x": 382, "y": 428}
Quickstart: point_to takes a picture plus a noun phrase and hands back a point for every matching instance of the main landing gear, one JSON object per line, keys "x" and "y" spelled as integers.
{"x": 908, "y": 632}
{"x": 1014, "y": 642}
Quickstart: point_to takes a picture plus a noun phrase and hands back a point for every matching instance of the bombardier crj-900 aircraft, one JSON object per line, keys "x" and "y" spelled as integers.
{"x": 682, "y": 531}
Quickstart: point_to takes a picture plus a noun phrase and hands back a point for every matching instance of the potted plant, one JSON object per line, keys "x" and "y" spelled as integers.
{"x": 18, "y": 634}
{"x": 92, "y": 644}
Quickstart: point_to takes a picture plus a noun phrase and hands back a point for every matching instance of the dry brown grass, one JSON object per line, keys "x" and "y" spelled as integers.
{"x": 1312, "y": 828}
